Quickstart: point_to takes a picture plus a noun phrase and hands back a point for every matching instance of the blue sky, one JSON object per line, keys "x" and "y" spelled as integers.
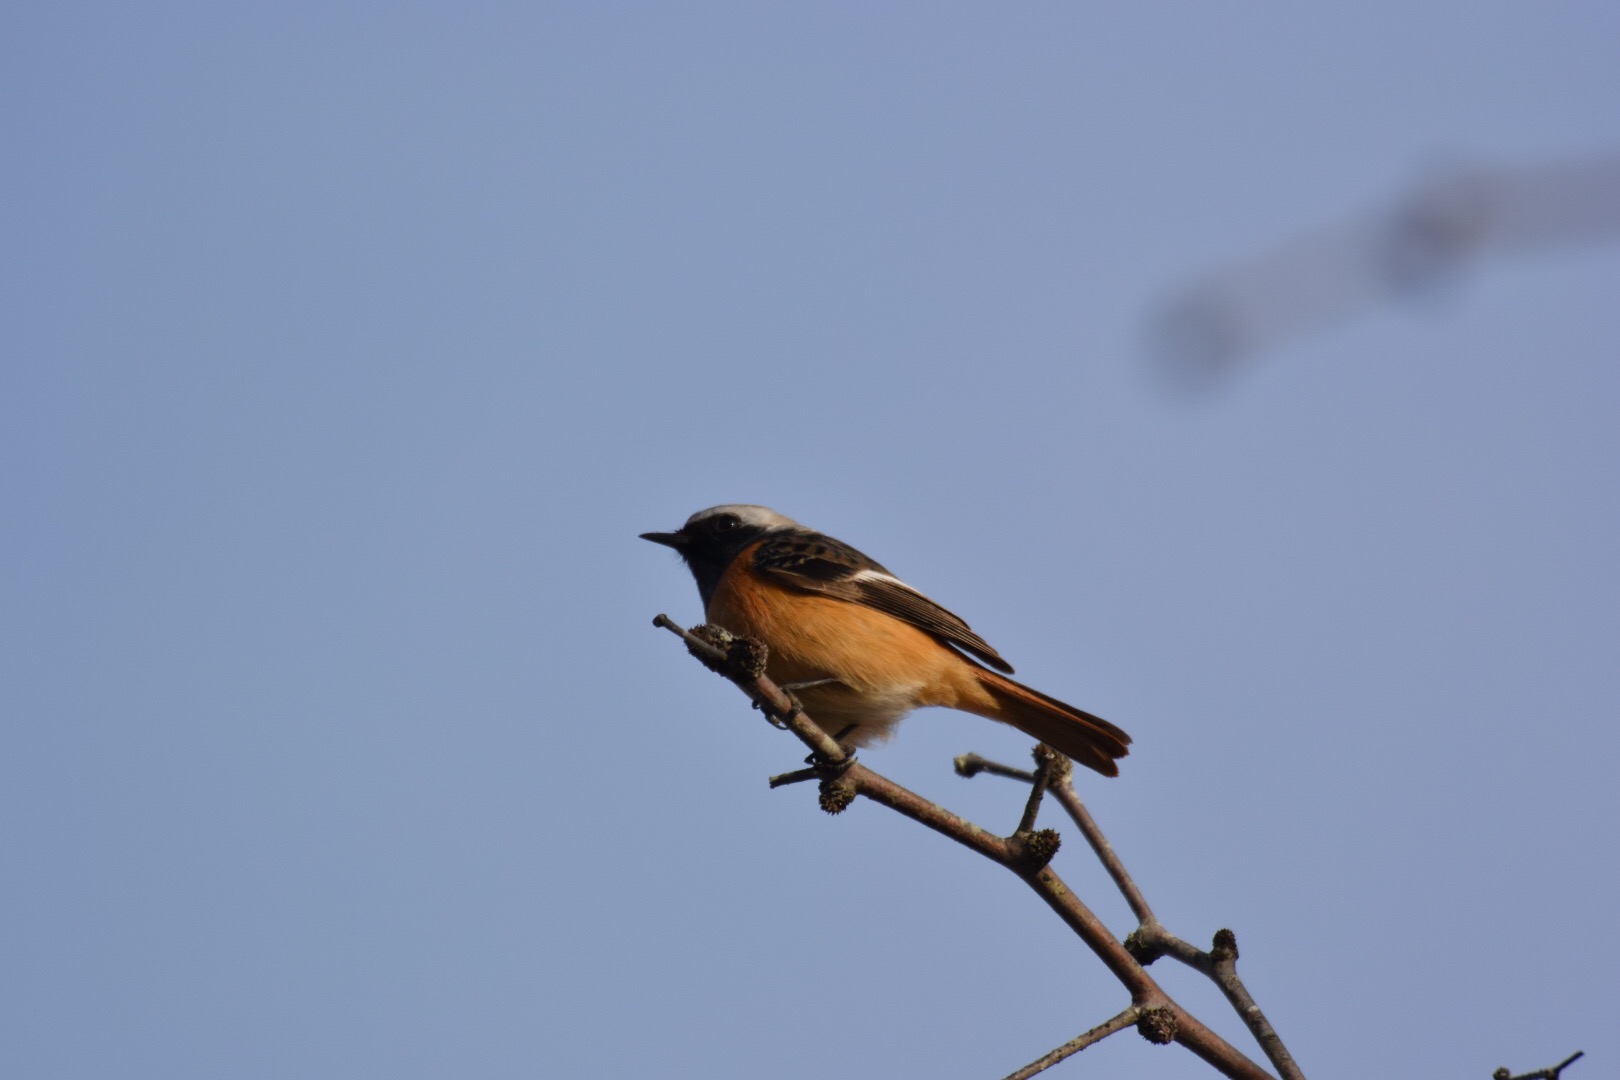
{"x": 347, "y": 349}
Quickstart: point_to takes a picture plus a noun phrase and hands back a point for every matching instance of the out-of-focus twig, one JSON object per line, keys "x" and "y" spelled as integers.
{"x": 1422, "y": 239}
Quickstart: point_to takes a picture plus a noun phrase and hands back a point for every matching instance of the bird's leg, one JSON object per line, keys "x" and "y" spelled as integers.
{"x": 795, "y": 708}
{"x": 805, "y": 684}
{"x": 795, "y": 705}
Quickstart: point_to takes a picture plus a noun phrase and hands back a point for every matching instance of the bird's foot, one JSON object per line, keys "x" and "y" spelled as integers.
{"x": 832, "y": 770}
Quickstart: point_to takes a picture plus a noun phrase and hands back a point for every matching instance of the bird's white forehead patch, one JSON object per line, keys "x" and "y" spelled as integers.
{"x": 749, "y": 515}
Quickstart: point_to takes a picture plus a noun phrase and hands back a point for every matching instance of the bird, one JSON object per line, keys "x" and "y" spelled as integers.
{"x": 860, "y": 647}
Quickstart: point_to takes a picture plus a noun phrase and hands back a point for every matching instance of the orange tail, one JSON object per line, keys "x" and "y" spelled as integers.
{"x": 1089, "y": 740}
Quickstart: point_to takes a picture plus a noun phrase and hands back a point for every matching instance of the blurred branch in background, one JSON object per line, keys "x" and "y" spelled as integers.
{"x": 1026, "y": 852}
{"x": 1426, "y": 239}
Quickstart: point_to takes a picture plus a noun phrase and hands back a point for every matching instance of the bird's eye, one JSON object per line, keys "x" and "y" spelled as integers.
{"x": 726, "y": 523}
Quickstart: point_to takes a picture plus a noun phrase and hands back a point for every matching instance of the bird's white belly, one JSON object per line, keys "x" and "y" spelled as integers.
{"x": 875, "y": 713}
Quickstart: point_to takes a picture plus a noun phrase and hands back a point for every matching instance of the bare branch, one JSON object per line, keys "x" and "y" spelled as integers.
{"x": 1066, "y": 795}
{"x": 1150, "y": 940}
{"x": 1078, "y": 1043}
{"x": 797, "y": 776}
{"x": 1025, "y": 853}
{"x": 1049, "y": 766}
{"x": 1549, "y": 1073}
{"x": 742, "y": 660}
{"x": 970, "y": 765}
{"x": 1224, "y": 954}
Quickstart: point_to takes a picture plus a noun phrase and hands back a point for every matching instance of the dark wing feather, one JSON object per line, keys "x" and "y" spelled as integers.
{"x": 820, "y": 564}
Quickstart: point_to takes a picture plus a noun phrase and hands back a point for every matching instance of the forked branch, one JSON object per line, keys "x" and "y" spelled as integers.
{"x": 1027, "y": 852}
{"x": 1551, "y": 1072}
{"x": 1150, "y": 940}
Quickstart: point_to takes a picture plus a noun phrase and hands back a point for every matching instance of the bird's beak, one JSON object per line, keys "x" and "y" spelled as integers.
{"x": 674, "y": 540}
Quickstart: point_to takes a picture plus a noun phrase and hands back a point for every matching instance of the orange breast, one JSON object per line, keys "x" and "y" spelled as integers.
{"x": 886, "y": 667}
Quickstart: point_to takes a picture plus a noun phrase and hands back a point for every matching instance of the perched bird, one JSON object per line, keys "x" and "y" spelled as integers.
{"x": 861, "y": 647}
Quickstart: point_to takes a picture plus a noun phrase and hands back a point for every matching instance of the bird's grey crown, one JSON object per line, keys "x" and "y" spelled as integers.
{"x": 759, "y": 516}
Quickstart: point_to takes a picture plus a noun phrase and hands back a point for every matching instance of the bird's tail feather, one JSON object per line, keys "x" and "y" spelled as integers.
{"x": 1089, "y": 740}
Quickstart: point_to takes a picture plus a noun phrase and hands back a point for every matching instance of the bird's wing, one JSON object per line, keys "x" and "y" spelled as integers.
{"x": 820, "y": 564}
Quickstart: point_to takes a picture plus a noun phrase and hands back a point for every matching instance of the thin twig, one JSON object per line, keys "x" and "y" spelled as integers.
{"x": 1105, "y": 851}
{"x": 1224, "y": 954}
{"x": 1078, "y": 1043}
{"x": 693, "y": 642}
{"x": 1549, "y": 1073}
{"x": 1047, "y": 768}
{"x": 797, "y": 776}
{"x": 766, "y": 694}
{"x": 970, "y": 765}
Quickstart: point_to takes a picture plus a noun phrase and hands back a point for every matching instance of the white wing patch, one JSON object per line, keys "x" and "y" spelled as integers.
{"x": 878, "y": 575}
